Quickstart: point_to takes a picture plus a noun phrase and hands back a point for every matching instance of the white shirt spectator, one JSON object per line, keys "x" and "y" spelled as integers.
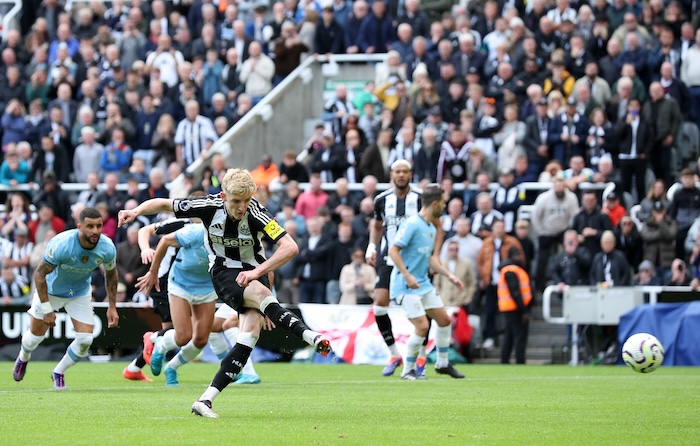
{"x": 167, "y": 63}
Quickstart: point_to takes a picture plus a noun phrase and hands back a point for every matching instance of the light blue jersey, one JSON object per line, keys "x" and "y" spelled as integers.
{"x": 416, "y": 238}
{"x": 190, "y": 271}
{"x": 73, "y": 264}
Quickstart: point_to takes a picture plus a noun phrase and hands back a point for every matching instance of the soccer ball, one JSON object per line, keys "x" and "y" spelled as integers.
{"x": 643, "y": 352}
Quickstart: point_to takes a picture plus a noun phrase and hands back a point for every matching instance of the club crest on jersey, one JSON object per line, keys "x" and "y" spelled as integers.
{"x": 185, "y": 205}
{"x": 84, "y": 259}
{"x": 98, "y": 260}
{"x": 243, "y": 228}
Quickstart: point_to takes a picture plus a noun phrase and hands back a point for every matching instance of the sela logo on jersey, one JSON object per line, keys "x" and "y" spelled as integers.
{"x": 231, "y": 242}
{"x": 395, "y": 220}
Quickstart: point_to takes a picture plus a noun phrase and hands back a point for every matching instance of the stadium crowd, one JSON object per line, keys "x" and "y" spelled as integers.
{"x": 490, "y": 95}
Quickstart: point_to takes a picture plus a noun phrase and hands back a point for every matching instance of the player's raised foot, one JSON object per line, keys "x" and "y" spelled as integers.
{"x": 203, "y": 409}
{"x": 420, "y": 368}
{"x": 410, "y": 375}
{"x": 147, "y": 347}
{"x": 449, "y": 370}
{"x": 19, "y": 370}
{"x": 394, "y": 363}
{"x": 245, "y": 378}
{"x": 157, "y": 359}
{"x": 135, "y": 376}
{"x": 170, "y": 377}
{"x": 322, "y": 345}
{"x": 59, "y": 381}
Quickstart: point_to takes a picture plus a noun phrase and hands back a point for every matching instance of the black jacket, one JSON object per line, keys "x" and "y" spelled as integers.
{"x": 645, "y": 137}
{"x": 571, "y": 269}
{"x": 632, "y": 246}
{"x": 329, "y": 39}
{"x": 619, "y": 269}
{"x": 595, "y": 220}
{"x": 317, "y": 259}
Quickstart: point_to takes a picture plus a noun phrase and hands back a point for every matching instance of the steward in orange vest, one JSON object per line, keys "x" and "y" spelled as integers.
{"x": 514, "y": 298}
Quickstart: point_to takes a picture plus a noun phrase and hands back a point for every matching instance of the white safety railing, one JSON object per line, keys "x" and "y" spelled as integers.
{"x": 9, "y": 18}
{"x": 587, "y": 305}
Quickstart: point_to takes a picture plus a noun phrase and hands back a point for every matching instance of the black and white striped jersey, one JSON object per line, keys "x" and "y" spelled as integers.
{"x": 16, "y": 252}
{"x": 392, "y": 211}
{"x": 16, "y": 289}
{"x": 165, "y": 227}
{"x": 232, "y": 243}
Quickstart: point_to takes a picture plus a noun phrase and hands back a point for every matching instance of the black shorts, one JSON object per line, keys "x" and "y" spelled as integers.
{"x": 161, "y": 304}
{"x": 226, "y": 287}
{"x": 383, "y": 273}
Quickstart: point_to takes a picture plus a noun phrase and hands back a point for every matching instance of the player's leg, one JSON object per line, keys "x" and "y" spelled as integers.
{"x": 422, "y": 358}
{"x": 381, "y": 316}
{"x": 248, "y": 375}
{"x": 202, "y": 318}
{"x": 30, "y": 341}
{"x": 232, "y": 364}
{"x": 180, "y": 312}
{"x": 435, "y": 309}
{"x": 217, "y": 341}
{"x": 81, "y": 314}
{"x": 415, "y": 313}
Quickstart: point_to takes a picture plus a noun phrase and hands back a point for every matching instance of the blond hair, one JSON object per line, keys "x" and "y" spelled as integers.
{"x": 238, "y": 182}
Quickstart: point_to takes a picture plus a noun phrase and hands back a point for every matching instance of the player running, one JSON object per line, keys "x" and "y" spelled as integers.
{"x": 62, "y": 280}
{"x": 236, "y": 223}
{"x": 391, "y": 207}
{"x": 413, "y": 251}
{"x": 226, "y": 323}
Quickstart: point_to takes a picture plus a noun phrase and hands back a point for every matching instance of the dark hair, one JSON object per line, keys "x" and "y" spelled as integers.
{"x": 89, "y": 213}
{"x": 197, "y": 194}
{"x": 431, "y": 194}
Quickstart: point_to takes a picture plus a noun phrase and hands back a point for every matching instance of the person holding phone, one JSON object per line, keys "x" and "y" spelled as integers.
{"x": 635, "y": 135}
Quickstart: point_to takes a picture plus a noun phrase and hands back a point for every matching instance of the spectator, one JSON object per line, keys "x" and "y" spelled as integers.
{"x": 291, "y": 169}
{"x": 266, "y": 172}
{"x": 629, "y": 241}
{"x": 657, "y": 192}
{"x": 514, "y": 300}
{"x": 483, "y": 218}
{"x": 553, "y": 212}
{"x": 14, "y": 289}
{"x": 496, "y": 247}
{"x": 13, "y": 125}
{"x": 357, "y": 280}
{"x": 110, "y": 195}
{"x": 17, "y": 215}
{"x": 312, "y": 259}
{"x": 257, "y": 73}
{"x": 88, "y": 155}
{"x": 690, "y": 75}
{"x": 352, "y": 27}
{"x": 509, "y": 139}
{"x": 88, "y": 196}
{"x": 86, "y": 118}
{"x": 635, "y": 138}
{"x": 609, "y": 267}
{"x": 47, "y": 221}
{"x": 36, "y": 123}
{"x": 194, "y": 136}
{"x": 665, "y": 118}
{"x": 16, "y": 254}
{"x": 590, "y": 223}
{"x": 156, "y": 187}
{"x": 116, "y": 156}
{"x": 329, "y": 35}
{"x": 469, "y": 244}
{"x": 14, "y": 171}
{"x": 376, "y": 33}
{"x": 536, "y": 136}
{"x": 324, "y": 161}
{"x": 50, "y": 158}
{"x": 679, "y": 274}
{"x": 163, "y": 142}
{"x": 231, "y": 84}
{"x": 308, "y": 202}
{"x": 166, "y": 59}
{"x": 360, "y": 223}
{"x": 647, "y": 275}
{"x": 684, "y": 208}
{"x": 342, "y": 249}
{"x": 659, "y": 237}
{"x": 114, "y": 120}
{"x": 464, "y": 270}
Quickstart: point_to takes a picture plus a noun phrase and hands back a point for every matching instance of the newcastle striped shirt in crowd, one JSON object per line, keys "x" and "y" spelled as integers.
{"x": 232, "y": 243}
{"x": 194, "y": 137}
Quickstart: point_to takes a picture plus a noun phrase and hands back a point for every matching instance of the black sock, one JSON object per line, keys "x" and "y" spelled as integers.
{"x": 425, "y": 341}
{"x": 162, "y": 332}
{"x": 231, "y": 366}
{"x": 285, "y": 319}
{"x": 384, "y": 325}
{"x": 140, "y": 362}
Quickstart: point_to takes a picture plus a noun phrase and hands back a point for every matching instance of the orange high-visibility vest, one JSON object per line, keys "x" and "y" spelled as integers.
{"x": 505, "y": 302}
{"x": 222, "y": 5}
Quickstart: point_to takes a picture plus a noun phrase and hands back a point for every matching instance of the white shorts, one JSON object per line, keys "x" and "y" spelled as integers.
{"x": 414, "y": 305}
{"x": 224, "y": 311}
{"x": 193, "y": 299}
{"x": 78, "y": 308}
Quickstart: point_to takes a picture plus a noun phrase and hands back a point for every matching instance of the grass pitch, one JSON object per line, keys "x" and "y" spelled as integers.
{"x": 300, "y": 404}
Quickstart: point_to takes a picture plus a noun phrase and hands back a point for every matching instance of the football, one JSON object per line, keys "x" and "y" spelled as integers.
{"x": 643, "y": 352}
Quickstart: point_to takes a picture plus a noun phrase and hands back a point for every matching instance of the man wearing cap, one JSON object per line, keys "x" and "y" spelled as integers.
{"x": 514, "y": 298}
{"x": 684, "y": 208}
{"x": 659, "y": 237}
{"x": 647, "y": 275}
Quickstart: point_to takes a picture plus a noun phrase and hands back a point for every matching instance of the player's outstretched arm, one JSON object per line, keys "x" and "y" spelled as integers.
{"x": 145, "y": 235}
{"x": 148, "y": 207}
{"x": 111, "y": 282}
{"x": 42, "y": 290}
{"x": 287, "y": 248}
{"x": 146, "y": 282}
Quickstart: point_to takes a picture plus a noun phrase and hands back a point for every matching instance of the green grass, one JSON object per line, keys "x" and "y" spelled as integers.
{"x": 300, "y": 404}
